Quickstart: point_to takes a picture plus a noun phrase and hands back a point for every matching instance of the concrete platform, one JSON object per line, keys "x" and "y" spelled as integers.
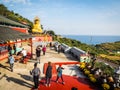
{"x": 20, "y": 78}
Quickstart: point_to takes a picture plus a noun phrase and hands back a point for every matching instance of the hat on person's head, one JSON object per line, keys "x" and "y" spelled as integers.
{"x": 60, "y": 65}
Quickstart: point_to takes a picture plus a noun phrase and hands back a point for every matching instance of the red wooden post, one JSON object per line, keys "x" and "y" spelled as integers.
{"x": 31, "y": 47}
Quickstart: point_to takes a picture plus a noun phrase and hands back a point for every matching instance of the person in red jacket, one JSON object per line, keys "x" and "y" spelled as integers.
{"x": 44, "y": 50}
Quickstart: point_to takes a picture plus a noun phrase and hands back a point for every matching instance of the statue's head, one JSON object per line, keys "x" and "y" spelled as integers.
{"x": 36, "y": 20}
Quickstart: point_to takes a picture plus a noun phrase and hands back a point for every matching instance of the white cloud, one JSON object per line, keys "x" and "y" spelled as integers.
{"x": 17, "y": 1}
{"x": 6, "y": 0}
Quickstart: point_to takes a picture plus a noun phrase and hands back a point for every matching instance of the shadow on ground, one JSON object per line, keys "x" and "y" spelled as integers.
{"x": 5, "y": 67}
{"x": 18, "y": 81}
{"x": 26, "y": 77}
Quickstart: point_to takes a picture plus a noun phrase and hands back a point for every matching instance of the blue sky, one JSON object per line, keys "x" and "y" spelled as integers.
{"x": 73, "y": 17}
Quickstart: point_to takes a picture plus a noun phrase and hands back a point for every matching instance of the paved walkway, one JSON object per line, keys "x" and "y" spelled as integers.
{"x": 21, "y": 79}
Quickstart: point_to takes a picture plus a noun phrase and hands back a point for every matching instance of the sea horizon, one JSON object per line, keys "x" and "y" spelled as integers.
{"x": 94, "y": 39}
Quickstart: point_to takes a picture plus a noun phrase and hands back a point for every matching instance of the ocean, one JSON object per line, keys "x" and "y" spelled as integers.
{"x": 93, "y": 40}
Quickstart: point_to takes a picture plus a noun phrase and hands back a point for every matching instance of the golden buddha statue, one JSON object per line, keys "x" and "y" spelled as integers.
{"x": 37, "y": 26}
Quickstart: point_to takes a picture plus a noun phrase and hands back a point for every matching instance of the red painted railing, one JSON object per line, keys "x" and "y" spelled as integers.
{"x": 3, "y": 54}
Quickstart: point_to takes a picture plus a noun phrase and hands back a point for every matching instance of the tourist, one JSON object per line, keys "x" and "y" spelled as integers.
{"x": 74, "y": 88}
{"x": 38, "y": 52}
{"x": 11, "y": 62}
{"x": 50, "y": 45}
{"x": 36, "y": 74}
{"x": 14, "y": 48}
{"x": 24, "y": 53}
{"x": 59, "y": 49}
{"x": 48, "y": 74}
{"x": 19, "y": 53}
{"x": 44, "y": 50}
{"x": 59, "y": 74}
{"x": 9, "y": 49}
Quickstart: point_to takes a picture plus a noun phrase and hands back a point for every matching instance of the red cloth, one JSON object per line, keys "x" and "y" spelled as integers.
{"x": 70, "y": 81}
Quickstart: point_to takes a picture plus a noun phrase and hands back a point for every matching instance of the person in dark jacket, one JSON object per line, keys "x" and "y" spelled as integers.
{"x": 9, "y": 49}
{"x": 38, "y": 52}
{"x": 36, "y": 74}
{"x": 48, "y": 74}
{"x": 14, "y": 47}
{"x": 59, "y": 49}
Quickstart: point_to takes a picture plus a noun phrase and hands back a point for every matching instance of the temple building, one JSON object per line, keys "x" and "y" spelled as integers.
{"x": 11, "y": 33}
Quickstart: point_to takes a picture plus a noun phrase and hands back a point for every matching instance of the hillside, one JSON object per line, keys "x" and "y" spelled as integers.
{"x": 106, "y": 51}
{"x": 13, "y": 16}
{"x": 110, "y": 47}
{"x": 113, "y": 51}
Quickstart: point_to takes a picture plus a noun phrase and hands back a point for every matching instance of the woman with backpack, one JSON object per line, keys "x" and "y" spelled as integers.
{"x": 59, "y": 74}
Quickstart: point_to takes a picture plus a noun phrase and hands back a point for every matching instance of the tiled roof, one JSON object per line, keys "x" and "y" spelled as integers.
{"x": 6, "y": 21}
{"x": 7, "y": 33}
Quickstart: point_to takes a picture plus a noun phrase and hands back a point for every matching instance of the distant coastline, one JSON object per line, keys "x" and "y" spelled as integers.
{"x": 93, "y": 40}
